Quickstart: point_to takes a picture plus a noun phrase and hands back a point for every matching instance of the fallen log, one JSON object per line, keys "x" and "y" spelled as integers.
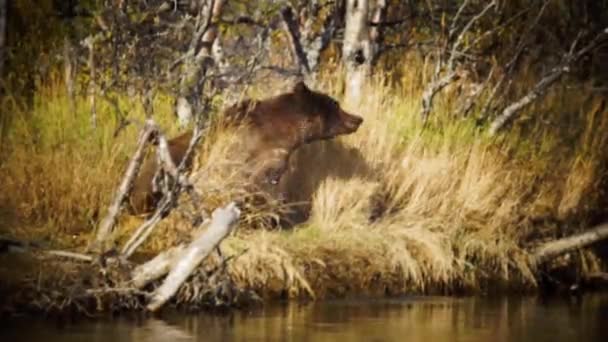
{"x": 222, "y": 224}
{"x": 559, "y": 247}
{"x": 154, "y": 269}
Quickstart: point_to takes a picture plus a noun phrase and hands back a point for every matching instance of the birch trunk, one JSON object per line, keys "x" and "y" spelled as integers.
{"x": 200, "y": 51}
{"x": 356, "y": 51}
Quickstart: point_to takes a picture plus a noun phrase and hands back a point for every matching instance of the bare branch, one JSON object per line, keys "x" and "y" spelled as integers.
{"x": 432, "y": 90}
{"x": 449, "y": 69}
{"x": 170, "y": 196}
{"x": 545, "y": 82}
{"x": 538, "y": 89}
{"x": 453, "y": 27}
{"x": 466, "y": 28}
{"x": 486, "y": 106}
{"x": 470, "y": 100}
{"x": 71, "y": 255}
{"x": 106, "y": 227}
{"x": 293, "y": 32}
{"x": 16, "y": 246}
{"x": 524, "y": 38}
{"x": 92, "y": 83}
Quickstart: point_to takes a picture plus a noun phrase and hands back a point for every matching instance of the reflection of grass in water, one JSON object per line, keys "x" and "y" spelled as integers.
{"x": 410, "y": 319}
{"x": 406, "y": 319}
{"x": 451, "y": 208}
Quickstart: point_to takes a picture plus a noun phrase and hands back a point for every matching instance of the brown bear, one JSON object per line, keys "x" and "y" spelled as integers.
{"x": 274, "y": 129}
{"x": 143, "y": 198}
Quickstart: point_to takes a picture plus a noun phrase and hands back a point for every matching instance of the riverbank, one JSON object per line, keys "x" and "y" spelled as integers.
{"x": 393, "y": 209}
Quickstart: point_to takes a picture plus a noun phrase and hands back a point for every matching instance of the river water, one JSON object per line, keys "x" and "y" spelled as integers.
{"x": 407, "y": 319}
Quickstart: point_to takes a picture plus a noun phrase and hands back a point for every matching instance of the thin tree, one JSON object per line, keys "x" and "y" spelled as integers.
{"x": 356, "y": 49}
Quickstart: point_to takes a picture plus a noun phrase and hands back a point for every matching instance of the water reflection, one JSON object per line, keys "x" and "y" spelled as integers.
{"x": 411, "y": 319}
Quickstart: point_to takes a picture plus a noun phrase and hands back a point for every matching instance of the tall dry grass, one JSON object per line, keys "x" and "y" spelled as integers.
{"x": 390, "y": 209}
{"x": 58, "y": 171}
{"x": 394, "y": 208}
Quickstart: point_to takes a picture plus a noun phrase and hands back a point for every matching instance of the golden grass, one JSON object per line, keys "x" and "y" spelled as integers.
{"x": 392, "y": 208}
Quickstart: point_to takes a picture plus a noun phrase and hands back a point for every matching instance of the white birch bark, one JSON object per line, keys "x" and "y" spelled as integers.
{"x": 356, "y": 51}
{"x": 200, "y": 50}
{"x": 222, "y": 223}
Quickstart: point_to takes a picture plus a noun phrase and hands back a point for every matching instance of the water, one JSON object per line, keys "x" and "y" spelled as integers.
{"x": 409, "y": 319}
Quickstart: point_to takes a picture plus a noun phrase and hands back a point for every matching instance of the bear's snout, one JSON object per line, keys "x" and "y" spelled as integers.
{"x": 352, "y": 122}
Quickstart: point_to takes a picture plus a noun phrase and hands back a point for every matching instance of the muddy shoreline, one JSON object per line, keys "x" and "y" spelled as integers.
{"x": 40, "y": 286}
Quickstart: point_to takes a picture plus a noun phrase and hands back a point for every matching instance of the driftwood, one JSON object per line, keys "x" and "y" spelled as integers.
{"x": 559, "y": 247}
{"x": 15, "y": 246}
{"x": 222, "y": 224}
{"x": 156, "y": 268}
{"x": 106, "y": 227}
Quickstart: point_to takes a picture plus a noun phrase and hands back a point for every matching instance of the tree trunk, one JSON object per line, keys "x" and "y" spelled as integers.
{"x": 356, "y": 51}
{"x": 200, "y": 51}
{"x": 295, "y": 41}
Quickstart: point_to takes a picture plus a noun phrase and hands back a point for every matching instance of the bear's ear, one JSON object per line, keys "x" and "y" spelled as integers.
{"x": 300, "y": 88}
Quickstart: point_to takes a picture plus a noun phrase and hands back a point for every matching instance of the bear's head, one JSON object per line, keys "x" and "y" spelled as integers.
{"x": 325, "y": 119}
